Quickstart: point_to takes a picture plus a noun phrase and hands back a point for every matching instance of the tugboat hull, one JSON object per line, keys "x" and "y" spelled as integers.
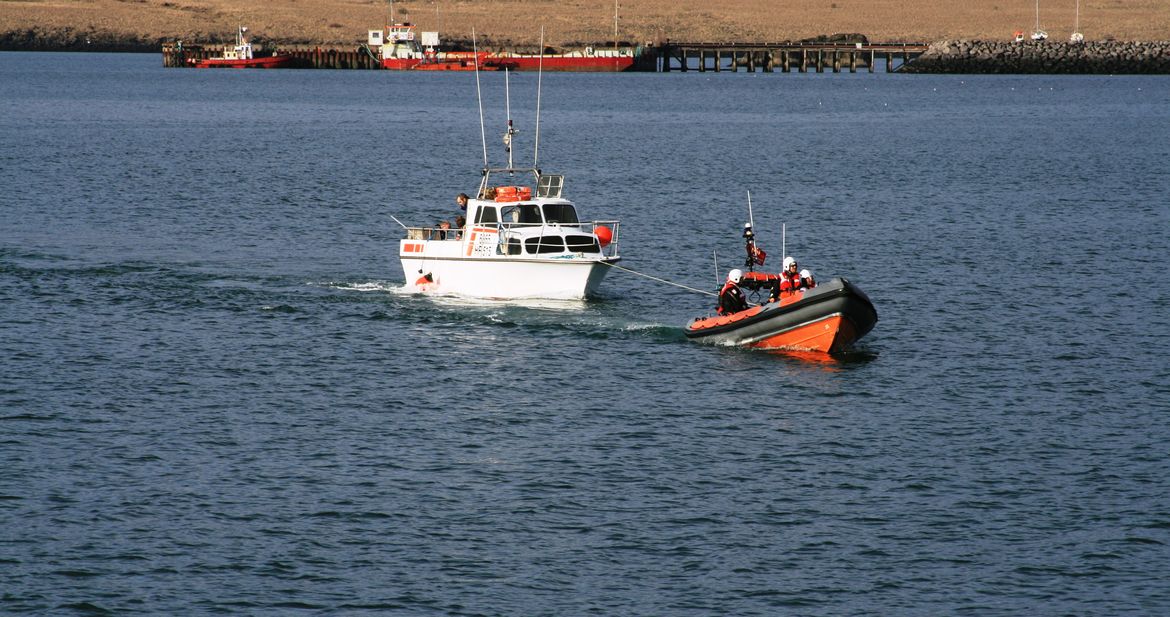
{"x": 827, "y": 319}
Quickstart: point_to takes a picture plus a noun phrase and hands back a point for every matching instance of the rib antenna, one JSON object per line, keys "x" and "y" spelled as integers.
{"x": 479, "y": 96}
{"x": 718, "y": 280}
{"x": 539, "y": 75}
{"x": 751, "y": 219}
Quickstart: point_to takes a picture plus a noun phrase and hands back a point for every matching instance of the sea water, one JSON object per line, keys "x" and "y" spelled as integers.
{"x": 215, "y": 397}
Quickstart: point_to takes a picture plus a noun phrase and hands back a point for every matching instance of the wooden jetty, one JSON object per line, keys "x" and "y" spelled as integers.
{"x": 178, "y": 55}
{"x": 665, "y": 58}
{"x": 770, "y": 57}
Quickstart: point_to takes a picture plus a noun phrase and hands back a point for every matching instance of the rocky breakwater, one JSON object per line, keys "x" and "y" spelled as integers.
{"x": 1102, "y": 57}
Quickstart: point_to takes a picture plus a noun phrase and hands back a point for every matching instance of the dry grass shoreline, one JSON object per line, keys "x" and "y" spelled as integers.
{"x": 68, "y": 24}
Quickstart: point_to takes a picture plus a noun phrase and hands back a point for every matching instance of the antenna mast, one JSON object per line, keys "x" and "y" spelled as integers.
{"x": 751, "y": 219}
{"x": 615, "y": 26}
{"x": 508, "y": 109}
{"x": 479, "y": 95}
{"x": 539, "y": 75}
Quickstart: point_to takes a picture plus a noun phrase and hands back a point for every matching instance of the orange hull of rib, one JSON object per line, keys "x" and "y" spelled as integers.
{"x": 829, "y": 334}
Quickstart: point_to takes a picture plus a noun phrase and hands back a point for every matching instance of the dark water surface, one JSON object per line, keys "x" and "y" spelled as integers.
{"x": 213, "y": 400}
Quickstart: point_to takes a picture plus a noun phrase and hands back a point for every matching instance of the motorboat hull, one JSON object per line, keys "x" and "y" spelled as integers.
{"x": 828, "y": 318}
{"x": 266, "y": 62}
{"x": 573, "y": 63}
{"x": 507, "y": 278}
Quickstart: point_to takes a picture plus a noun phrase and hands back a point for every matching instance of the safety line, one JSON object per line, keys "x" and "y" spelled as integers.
{"x": 655, "y": 278}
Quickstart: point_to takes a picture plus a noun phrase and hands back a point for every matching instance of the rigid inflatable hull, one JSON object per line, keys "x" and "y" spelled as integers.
{"x": 828, "y": 319}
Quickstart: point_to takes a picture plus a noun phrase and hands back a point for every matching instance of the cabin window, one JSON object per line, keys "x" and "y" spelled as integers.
{"x": 582, "y": 244}
{"x": 560, "y": 213}
{"x": 545, "y": 244}
{"x": 486, "y": 214}
{"x": 524, "y": 214}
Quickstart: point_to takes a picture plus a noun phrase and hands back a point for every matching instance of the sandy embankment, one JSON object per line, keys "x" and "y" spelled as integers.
{"x": 146, "y": 23}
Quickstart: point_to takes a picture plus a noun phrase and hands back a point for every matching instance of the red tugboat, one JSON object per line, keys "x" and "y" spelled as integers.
{"x": 403, "y": 49}
{"x": 590, "y": 60}
{"x": 826, "y": 318}
{"x": 239, "y": 56}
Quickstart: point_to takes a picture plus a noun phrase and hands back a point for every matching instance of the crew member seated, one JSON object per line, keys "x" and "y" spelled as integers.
{"x": 806, "y": 279}
{"x": 790, "y": 274}
{"x": 789, "y": 280}
{"x": 731, "y": 297}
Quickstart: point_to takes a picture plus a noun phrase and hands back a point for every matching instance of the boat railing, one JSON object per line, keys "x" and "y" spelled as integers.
{"x": 455, "y": 234}
{"x": 611, "y": 249}
{"x": 433, "y": 233}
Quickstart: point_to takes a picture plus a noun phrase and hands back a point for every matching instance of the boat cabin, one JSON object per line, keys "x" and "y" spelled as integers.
{"x": 509, "y": 220}
{"x": 399, "y": 41}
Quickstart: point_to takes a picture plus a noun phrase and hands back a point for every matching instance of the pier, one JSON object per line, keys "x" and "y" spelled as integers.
{"x": 177, "y": 55}
{"x": 668, "y": 57}
{"x": 784, "y": 57}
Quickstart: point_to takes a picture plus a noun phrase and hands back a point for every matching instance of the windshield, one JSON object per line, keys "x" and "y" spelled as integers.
{"x": 560, "y": 213}
{"x": 526, "y": 214}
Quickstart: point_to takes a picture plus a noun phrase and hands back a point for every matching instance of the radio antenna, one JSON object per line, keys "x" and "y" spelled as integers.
{"x": 479, "y": 96}
{"x": 718, "y": 280}
{"x": 508, "y": 110}
{"x": 751, "y": 219}
{"x": 784, "y": 239}
{"x": 539, "y": 75}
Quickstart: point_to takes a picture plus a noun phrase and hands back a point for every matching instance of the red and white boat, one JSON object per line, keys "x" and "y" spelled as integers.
{"x": 402, "y": 48}
{"x": 240, "y": 56}
{"x": 590, "y": 60}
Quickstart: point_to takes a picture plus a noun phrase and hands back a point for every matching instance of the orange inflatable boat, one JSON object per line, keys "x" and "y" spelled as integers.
{"x": 827, "y": 318}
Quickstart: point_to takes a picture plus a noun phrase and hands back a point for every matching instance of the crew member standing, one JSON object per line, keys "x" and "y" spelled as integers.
{"x": 731, "y": 298}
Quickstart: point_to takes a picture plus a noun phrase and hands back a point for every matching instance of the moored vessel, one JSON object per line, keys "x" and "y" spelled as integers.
{"x": 241, "y": 56}
{"x": 401, "y": 47}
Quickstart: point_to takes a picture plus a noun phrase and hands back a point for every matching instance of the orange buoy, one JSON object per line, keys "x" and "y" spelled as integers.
{"x": 604, "y": 235}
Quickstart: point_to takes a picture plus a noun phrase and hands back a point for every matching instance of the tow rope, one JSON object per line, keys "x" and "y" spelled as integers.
{"x": 660, "y": 280}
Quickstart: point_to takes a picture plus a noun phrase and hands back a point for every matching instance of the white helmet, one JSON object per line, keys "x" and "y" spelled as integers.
{"x": 788, "y": 261}
{"x": 805, "y": 274}
{"x": 735, "y": 275}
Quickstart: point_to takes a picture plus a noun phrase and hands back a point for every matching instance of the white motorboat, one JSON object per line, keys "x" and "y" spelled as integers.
{"x": 522, "y": 238}
{"x": 517, "y": 244}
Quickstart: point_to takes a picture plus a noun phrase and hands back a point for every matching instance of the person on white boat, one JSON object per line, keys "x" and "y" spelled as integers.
{"x": 444, "y": 229}
{"x": 731, "y": 298}
{"x": 460, "y": 223}
{"x": 806, "y": 279}
{"x": 461, "y": 199}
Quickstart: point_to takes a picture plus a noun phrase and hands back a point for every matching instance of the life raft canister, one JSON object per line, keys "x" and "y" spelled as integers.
{"x": 513, "y": 193}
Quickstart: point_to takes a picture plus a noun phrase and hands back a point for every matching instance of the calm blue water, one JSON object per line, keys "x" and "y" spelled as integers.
{"x": 213, "y": 400}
